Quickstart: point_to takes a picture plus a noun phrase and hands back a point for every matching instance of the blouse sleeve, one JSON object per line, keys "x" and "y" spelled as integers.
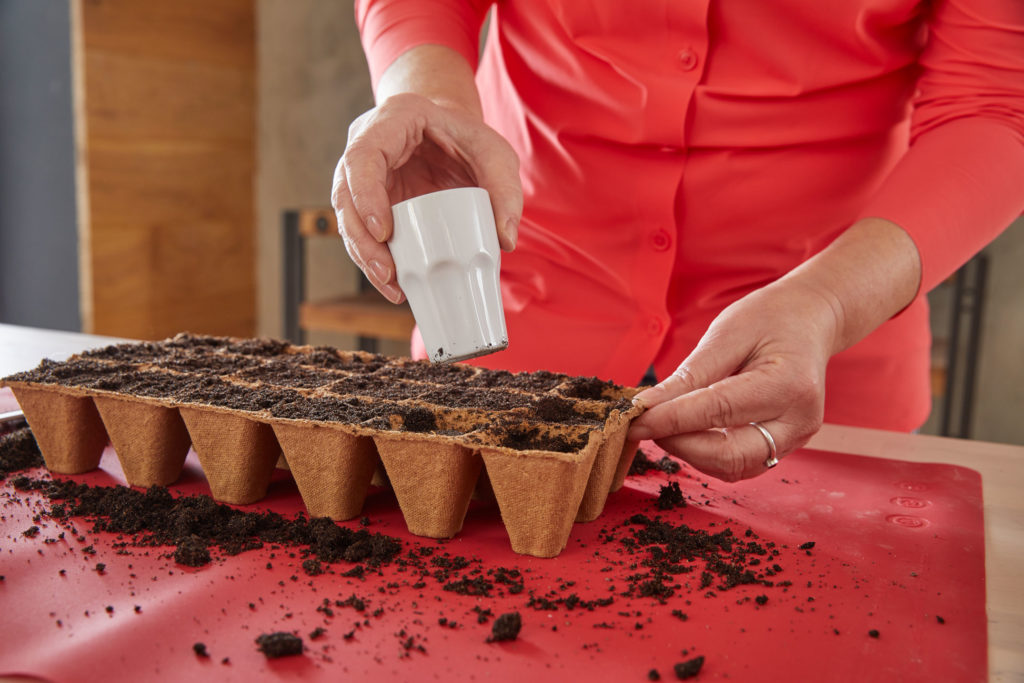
{"x": 961, "y": 182}
{"x": 390, "y": 27}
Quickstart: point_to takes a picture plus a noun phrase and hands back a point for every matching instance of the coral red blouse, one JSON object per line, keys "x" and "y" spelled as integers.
{"x": 677, "y": 155}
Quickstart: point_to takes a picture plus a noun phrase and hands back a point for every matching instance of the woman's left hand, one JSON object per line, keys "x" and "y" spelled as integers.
{"x": 762, "y": 360}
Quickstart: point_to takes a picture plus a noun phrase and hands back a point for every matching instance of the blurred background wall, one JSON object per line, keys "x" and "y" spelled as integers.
{"x": 38, "y": 240}
{"x": 313, "y": 82}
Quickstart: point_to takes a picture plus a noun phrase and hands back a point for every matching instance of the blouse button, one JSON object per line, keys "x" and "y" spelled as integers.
{"x": 655, "y": 327}
{"x": 660, "y": 240}
{"x": 687, "y": 59}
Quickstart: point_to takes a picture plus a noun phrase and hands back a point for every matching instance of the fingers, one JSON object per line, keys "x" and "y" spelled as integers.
{"x": 715, "y": 358}
{"x": 496, "y": 168}
{"x": 732, "y": 454}
{"x": 386, "y": 138}
{"x": 372, "y": 257}
{"x": 379, "y": 140}
{"x": 736, "y": 400}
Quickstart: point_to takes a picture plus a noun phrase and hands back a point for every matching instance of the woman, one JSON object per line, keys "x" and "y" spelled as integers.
{"x": 751, "y": 197}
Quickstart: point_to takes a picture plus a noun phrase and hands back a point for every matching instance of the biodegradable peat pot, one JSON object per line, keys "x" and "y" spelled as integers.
{"x": 238, "y": 455}
{"x": 332, "y": 467}
{"x": 433, "y": 480}
{"x": 539, "y": 494}
{"x": 604, "y": 473}
{"x": 151, "y": 441}
{"x": 67, "y": 428}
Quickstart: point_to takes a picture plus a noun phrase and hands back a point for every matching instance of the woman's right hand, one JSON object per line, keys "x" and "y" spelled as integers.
{"x": 411, "y": 145}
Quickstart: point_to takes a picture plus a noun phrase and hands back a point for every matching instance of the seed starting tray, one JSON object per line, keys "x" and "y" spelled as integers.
{"x": 547, "y": 448}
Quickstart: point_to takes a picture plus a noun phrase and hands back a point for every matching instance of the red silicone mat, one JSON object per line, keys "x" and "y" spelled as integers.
{"x": 899, "y": 548}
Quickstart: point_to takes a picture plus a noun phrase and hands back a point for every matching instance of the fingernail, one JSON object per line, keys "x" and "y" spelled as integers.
{"x": 512, "y": 232}
{"x": 381, "y": 272}
{"x": 373, "y": 224}
{"x": 392, "y": 293}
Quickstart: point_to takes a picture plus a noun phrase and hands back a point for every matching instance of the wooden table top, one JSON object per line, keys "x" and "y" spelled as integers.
{"x": 1001, "y": 467}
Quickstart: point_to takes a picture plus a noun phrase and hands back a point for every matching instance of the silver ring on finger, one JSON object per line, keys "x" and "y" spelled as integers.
{"x": 773, "y": 452}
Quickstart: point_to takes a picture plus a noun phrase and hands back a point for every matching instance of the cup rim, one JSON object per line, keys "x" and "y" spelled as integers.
{"x": 440, "y": 192}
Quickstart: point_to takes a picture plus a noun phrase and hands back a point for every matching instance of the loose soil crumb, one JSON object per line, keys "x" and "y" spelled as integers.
{"x": 279, "y": 644}
{"x": 642, "y": 464}
{"x": 18, "y": 451}
{"x": 194, "y": 523}
{"x": 670, "y": 496}
{"x": 689, "y": 668}
{"x": 506, "y": 627}
{"x": 192, "y": 552}
{"x": 200, "y": 650}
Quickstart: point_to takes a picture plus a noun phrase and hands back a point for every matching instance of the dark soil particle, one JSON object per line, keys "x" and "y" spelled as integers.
{"x": 672, "y": 550}
{"x": 653, "y": 675}
{"x": 279, "y": 644}
{"x": 533, "y": 438}
{"x": 587, "y": 387}
{"x": 642, "y": 464}
{"x": 194, "y": 523}
{"x": 418, "y": 420}
{"x": 459, "y": 396}
{"x": 939, "y": 619}
{"x": 539, "y": 381}
{"x": 476, "y": 585}
{"x": 553, "y": 408}
{"x": 428, "y": 372}
{"x": 317, "y": 632}
{"x": 506, "y": 627}
{"x": 807, "y": 546}
{"x": 200, "y": 650}
{"x": 670, "y": 496}
{"x": 356, "y": 603}
{"x": 192, "y": 552}
{"x": 18, "y": 451}
{"x": 874, "y": 633}
{"x": 689, "y": 668}
{"x": 570, "y": 602}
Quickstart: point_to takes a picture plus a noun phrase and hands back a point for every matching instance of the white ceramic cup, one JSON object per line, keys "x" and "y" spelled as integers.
{"x": 447, "y": 259}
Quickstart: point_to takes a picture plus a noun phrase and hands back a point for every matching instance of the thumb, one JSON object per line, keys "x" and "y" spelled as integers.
{"x": 507, "y": 202}
{"x": 496, "y": 169}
